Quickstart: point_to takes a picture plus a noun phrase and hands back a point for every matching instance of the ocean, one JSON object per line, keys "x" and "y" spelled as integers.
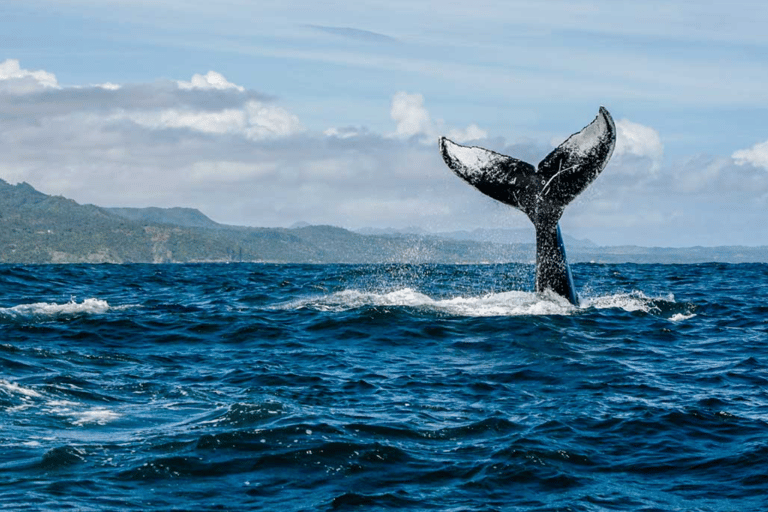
{"x": 382, "y": 387}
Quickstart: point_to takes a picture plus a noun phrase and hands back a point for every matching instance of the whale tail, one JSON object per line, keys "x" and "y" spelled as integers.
{"x": 541, "y": 192}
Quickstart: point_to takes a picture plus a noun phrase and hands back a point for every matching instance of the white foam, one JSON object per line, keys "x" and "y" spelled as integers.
{"x": 76, "y": 413}
{"x": 635, "y": 301}
{"x": 511, "y": 303}
{"x": 14, "y": 389}
{"x": 50, "y": 309}
{"x": 79, "y": 414}
{"x": 679, "y": 317}
{"x": 98, "y": 415}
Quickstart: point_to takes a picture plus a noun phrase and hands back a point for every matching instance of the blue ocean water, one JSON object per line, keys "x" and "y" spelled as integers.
{"x": 382, "y": 387}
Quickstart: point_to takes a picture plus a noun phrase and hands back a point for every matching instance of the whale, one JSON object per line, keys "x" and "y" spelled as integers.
{"x": 540, "y": 192}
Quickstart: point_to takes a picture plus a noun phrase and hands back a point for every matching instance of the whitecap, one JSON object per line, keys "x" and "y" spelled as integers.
{"x": 52, "y": 309}
{"x": 635, "y": 301}
{"x": 12, "y": 388}
{"x": 98, "y": 415}
{"x": 79, "y": 414}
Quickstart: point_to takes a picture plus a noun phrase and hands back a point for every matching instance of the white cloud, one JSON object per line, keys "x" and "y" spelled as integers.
{"x": 242, "y": 159}
{"x": 703, "y": 174}
{"x": 638, "y": 140}
{"x": 223, "y": 121}
{"x": 411, "y": 116}
{"x": 342, "y": 133}
{"x": 413, "y": 119}
{"x": 26, "y": 81}
{"x": 109, "y": 86}
{"x": 471, "y": 132}
{"x": 266, "y": 121}
{"x": 210, "y": 80}
{"x": 230, "y": 171}
{"x": 757, "y": 155}
{"x": 254, "y": 121}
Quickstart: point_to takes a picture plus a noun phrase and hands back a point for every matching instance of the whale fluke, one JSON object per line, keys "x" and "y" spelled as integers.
{"x": 542, "y": 192}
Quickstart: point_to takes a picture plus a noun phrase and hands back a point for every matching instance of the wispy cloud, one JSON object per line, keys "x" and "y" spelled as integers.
{"x": 355, "y": 34}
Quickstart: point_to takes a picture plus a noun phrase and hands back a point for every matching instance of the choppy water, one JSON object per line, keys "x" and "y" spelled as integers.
{"x": 290, "y": 387}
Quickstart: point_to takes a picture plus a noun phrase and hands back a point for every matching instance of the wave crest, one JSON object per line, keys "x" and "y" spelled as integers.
{"x": 43, "y": 310}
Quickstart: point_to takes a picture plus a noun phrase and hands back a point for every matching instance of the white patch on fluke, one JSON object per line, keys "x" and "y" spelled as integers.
{"x": 589, "y": 138}
{"x": 474, "y": 158}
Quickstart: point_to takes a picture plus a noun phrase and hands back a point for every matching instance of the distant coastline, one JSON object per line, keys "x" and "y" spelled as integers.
{"x": 38, "y": 228}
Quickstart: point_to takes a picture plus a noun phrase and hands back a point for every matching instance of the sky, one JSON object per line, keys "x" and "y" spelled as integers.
{"x": 271, "y": 113}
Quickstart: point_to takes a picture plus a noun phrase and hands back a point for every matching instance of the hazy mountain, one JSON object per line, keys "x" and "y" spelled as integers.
{"x": 495, "y": 236}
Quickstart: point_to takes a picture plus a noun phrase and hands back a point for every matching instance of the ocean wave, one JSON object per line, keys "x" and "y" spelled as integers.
{"x": 20, "y": 399}
{"x": 45, "y": 310}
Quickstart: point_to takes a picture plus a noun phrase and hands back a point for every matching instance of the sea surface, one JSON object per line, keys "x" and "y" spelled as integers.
{"x": 382, "y": 387}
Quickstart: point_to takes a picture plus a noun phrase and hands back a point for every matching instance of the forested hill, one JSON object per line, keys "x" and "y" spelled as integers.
{"x": 38, "y": 228}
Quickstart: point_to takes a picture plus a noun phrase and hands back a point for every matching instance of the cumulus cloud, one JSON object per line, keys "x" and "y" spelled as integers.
{"x": 207, "y": 103}
{"x": 471, "y": 132}
{"x": 757, "y": 156}
{"x": 207, "y": 143}
{"x": 254, "y": 120}
{"x": 210, "y": 80}
{"x": 638, "y": 140}
{"x": 265, "y": 121}
{"x": 242, "y": 158}
{"x": 411, "y": 116}
{"x": 413, "y": 119}
{"x": 223, "y": 121}
{"x": 11, "y": 69}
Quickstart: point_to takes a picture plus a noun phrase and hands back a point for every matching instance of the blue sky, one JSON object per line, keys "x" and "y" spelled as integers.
{"x": 329, "y": 112}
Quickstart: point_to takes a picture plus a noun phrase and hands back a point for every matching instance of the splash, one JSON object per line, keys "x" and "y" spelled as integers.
{"x": 510, "y": 303}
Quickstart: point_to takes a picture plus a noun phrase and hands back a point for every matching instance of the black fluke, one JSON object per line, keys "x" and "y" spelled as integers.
{"x": 541, "y": 193}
